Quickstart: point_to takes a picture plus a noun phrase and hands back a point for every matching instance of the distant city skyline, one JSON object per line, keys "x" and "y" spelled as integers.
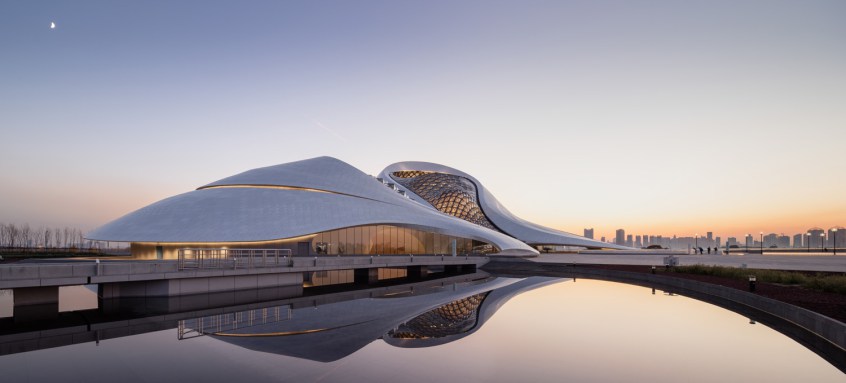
{"x": 660, "y": 117}
{"x": 813, "y": 237}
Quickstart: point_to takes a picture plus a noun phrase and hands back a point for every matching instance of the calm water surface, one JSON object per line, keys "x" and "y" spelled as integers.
{"x": 497, "y": 330}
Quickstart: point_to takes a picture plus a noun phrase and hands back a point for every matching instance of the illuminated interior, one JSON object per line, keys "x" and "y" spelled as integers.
{"x": 390, "y": 239}
{"x": 358, "y": 240}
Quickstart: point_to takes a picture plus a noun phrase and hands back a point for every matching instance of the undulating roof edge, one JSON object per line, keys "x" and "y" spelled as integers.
{"x": 497, "y": 213}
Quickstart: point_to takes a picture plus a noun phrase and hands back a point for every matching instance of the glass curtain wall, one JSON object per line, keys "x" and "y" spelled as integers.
{"x": 390, "y": 239}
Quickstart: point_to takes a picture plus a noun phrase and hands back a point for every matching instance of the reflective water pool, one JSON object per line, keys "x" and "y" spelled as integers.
{"x": 481, "y": 329}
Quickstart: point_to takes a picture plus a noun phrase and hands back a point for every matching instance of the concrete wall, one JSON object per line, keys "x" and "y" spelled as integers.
{"x": 202, "y": 285}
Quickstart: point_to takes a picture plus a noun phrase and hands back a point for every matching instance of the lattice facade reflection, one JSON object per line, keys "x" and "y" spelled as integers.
{"x": 390, "y": 239}
{"x": 453, "y": 195}
{"x": 450, "y": 319}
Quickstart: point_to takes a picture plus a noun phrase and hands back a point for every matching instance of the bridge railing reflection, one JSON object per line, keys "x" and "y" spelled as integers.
{"x": 221, "y": 323}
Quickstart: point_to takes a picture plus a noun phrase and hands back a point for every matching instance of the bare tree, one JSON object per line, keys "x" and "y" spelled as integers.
{"x": 66, "y": 234}
{"x": 13, "y": 234}
{"x": 47, "y": 237}
{"x": 3, "y": 237}
{"x": 27, "y": 237}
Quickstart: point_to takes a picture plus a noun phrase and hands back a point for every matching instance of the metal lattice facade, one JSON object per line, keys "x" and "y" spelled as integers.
{"x": 450, "y": 319}
{"x": 448, "y": 193}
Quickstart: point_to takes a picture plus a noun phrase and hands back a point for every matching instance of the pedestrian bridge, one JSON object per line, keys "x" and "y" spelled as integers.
{"x": 38, "y": 283}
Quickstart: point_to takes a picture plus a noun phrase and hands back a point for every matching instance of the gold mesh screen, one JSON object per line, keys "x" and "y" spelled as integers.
{"x": 448, "y": 193}
{"x": 452, "y": 318}
{"x": 409, "y": 173}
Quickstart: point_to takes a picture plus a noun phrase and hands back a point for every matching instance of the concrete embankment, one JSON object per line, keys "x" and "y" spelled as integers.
{"x": 826, "y": 263}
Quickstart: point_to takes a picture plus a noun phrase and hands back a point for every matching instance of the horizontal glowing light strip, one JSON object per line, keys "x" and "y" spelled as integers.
{"x": 285, "y": 333}
{"x": 280, "y": 187}
{"x": 292, "y": 239}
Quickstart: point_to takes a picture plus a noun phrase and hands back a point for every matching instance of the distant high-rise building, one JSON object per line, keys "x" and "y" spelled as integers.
{"x": 589, "y": 233}
{"x": 621, "y": 237}
{"x": 770, "y": 240}
{"x": 710, "y": 236}
{"x": 783, "y": 241}
{"x": 731, "y": 241}
{"x": 638, "y": 242}
{"x": 629, "y": 241}
{"x": 816, "y": 238}
{"x": 798, "y": 240}
{"x": 719, "y": 242}
{"x": 603, "y": 239}
{"x": 840, "y": 236}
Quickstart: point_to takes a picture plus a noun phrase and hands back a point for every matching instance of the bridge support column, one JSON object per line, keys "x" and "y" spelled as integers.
{"x": 28, "y": 296}
{"x": 459, "y": 269}
{"x": 36, "y": 303}
{"x": 417, "y": 272}
{"x": 366, "y": 276}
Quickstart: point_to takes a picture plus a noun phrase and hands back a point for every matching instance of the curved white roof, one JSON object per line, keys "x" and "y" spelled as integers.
{"x": 497, "y": 213}
{"x": 287, "y": 201}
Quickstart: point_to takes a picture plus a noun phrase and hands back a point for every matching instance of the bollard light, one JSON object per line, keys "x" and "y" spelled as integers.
{"x": 752, "y": 282}
{"x": 653, "y": 269}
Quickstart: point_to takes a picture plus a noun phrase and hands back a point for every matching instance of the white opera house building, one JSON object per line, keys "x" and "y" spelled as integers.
{"x": 324, "y": 206}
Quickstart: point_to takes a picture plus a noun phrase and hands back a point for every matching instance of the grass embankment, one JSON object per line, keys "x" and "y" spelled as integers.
{"x": 833, "y": 283}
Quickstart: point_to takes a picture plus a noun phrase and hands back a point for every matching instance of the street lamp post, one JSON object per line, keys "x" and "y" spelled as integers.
{"x": 696, "y": 243}
{"x": 834, "y": 242}
{"x": 822, "y": 242}
{"x": 809, "y": 241}
{"x": 762, "y": 243}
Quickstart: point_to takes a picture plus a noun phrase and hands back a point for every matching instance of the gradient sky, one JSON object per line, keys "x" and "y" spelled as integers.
{"x": 661, "y": 117}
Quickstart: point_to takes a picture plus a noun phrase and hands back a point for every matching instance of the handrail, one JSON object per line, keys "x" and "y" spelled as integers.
{"x": 220, "y": 258}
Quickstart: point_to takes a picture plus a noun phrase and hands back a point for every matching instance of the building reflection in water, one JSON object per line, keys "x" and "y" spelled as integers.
{"x": 329, "y": 323}
{"x": 419, "y": 317}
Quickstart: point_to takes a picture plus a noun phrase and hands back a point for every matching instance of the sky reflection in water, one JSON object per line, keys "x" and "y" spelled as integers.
{"x": 584, "y": 331}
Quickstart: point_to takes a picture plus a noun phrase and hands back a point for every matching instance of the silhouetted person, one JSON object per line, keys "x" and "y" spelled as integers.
{"x": 701, "y": 251}
{"x": 709, "y": 250}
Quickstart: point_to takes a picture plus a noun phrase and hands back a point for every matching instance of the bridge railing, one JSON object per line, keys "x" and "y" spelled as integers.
{"x": 195, "y": 258}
